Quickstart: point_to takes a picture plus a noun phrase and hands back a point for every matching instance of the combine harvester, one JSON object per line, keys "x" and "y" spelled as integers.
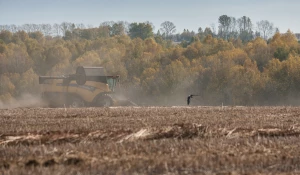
{"x": 88, "y": 87}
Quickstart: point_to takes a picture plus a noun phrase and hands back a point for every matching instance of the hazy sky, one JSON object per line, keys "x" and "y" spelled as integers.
{"x": 189, "y": 14}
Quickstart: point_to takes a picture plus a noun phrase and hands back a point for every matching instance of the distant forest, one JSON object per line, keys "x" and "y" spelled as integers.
{"x": 238, "y": 63}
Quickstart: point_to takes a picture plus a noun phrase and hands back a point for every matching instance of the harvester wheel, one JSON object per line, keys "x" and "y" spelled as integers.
{"x": 104, "y": 101}
{"x": 76, "y": 102}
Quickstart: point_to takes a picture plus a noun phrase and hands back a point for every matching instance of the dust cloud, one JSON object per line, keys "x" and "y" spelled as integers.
{"x": 25, "y": 100}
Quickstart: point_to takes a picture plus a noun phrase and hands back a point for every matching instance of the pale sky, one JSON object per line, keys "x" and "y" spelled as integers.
{"x": 185, "y": 14}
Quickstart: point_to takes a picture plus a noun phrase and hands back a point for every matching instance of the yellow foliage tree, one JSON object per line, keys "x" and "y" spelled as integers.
{"x": 58, "y": 60}
{"x": 5, "y": 98}
{"x": 259, "y": 51}
{"x": 244, "y": 83}
{"x": 174, "y": 77}
{"x": 90, "y": 58}
{"x": 112, "y": 61}
{"x": 29, "y": 83}
{"x": 18, "y": 60}
{"x": 149, "y": 81}
{"x": 283, "y": 44}
{"x": 6, "y": 86}
{"x": 152, "y": 47}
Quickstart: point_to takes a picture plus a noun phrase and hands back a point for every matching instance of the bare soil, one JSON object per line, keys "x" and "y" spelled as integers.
{"x": 150, "y": 140}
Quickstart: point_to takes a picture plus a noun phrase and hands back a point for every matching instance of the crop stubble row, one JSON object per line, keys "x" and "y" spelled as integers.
{"x": 145, "y": 140}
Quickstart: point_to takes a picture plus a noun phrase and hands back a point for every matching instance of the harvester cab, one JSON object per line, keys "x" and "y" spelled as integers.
{"x": 89, "y": 86}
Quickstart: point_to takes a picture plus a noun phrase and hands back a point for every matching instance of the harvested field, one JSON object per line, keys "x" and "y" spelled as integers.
{"x": 150, "y": 140}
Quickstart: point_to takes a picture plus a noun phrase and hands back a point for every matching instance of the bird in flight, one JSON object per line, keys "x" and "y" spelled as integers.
{"x": 189, "y": 98}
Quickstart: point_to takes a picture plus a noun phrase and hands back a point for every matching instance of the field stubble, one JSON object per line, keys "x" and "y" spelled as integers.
{"x": 150, "y": 140}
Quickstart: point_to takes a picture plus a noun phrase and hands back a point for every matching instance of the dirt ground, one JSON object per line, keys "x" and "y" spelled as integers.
{"x": 150, "y": 140}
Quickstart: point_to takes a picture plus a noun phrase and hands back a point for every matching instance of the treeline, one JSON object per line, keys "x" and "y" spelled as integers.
{"x": 228, "y": 27}
{"x": 155, "y": 70}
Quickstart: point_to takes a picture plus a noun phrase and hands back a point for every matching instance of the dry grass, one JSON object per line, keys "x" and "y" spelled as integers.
{"x": 150, "y": 140}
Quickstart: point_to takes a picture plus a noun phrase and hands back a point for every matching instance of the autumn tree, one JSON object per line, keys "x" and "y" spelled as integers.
{"x": 20, "y": 36}
{"x": 115, "y": 28}
{"x": 283, "y": 44}
{"x": 173, "y": 77}
{"x": 6, "y": 36}
{"x": 149, "y": 81}
{"x": 284, "y": 79}
{"x": 36, "y": 35}
{"x": 89, "y": 34}
{"x": 259, "y": 51}
{"x": 3, "y": 61}
{"x": 18, "y": 59}
{"x": 103, "y": 32}
{"x": 246, "y": 83}
{"x": 118, "y": 29}
{"x": 28, "y": 83}
{"x": 58, "y": 56}
{"x": 35, "y": 51}
{"x": 6, "y": 86}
